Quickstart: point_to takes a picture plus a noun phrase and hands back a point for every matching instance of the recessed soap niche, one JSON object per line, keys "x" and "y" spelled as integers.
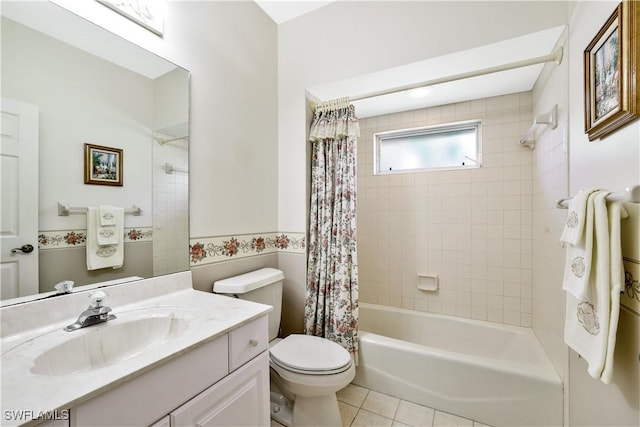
{"x": 428, "y": 282}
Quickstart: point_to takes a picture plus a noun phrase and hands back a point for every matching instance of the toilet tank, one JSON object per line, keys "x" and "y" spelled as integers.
{"x": 263, "y": 286}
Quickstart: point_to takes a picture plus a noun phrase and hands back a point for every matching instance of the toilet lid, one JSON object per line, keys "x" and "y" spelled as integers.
{"x": 308, "y": 353}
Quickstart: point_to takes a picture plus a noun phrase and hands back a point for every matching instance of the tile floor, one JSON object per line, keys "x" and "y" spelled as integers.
{"x": 361, "y": 407}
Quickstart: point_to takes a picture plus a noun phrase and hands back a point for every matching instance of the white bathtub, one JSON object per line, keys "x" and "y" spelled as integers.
{"x": 493, "y": 373}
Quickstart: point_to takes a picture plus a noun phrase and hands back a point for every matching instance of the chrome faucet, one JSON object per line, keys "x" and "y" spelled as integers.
{"x": 94, "y": 314}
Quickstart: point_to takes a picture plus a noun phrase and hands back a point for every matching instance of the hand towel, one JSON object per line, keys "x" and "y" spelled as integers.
{"x": 108, "y": 235}
{"x": 573, "y": 230}
{"x": 106, "y": 255}
{"x": 107, "y": 215}
{"x": 577, "y": 269}
{"x": 107, "y": 226}
{"x": 591, "y": 322}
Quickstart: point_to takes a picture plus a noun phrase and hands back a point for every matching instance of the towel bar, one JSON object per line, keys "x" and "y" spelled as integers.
{"x": 64, "y": 210}
{"x": 630, "y": 194}
{"x": 550, "y": 119}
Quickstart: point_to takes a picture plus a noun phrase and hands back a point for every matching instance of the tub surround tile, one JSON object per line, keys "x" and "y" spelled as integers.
{"x": 477, "y": 220}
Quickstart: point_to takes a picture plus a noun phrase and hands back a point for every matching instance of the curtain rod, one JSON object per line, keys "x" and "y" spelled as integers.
{"x": 555, "y": 57}
{"x": 165, "y": 141}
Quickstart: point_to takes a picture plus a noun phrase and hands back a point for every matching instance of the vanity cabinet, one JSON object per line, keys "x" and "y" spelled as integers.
{"x": 224, "y": 382}
{"x": 237, "y": 400}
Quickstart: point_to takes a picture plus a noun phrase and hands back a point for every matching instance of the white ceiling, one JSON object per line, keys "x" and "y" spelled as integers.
{"x": 284, "y": 10}
{"x": 506, "y": 52}
{"x": 501, "y": 83}
{"x": 54, "y": 21}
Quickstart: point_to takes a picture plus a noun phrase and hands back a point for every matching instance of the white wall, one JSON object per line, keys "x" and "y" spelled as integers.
{"x": 66, "y": 82}
{"x": 612, "y": 162}
{"x": 230, "y": 49}
{"x": 564, "y": 162}
{"x": 171, "y": 190}
{"x": 550, "y": 183}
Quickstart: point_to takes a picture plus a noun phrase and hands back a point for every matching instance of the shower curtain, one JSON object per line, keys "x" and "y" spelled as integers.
{"x": 331, "y": 307}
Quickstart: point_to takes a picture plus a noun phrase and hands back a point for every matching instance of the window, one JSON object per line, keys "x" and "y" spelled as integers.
{"x": 440, "y": 147}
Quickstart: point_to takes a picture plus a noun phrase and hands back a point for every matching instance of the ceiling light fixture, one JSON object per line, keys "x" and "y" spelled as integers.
{"x": 420, "y": 92}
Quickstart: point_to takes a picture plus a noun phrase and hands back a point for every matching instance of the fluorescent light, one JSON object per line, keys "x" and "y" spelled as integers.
{"x": 420, "y": 92}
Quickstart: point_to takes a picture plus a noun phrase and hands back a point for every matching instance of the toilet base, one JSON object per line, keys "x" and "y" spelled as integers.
{"x": 318, "y": 411}
{"x": 281, "y": 409}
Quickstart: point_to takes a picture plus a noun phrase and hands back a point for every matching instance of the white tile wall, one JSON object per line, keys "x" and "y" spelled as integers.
{"x": 550, "y": 183}
{"x": 473, "y": 228}
{"x": 170, "y": 206}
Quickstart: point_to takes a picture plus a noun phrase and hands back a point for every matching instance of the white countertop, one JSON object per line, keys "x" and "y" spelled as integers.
{"x": 208, "y": 316}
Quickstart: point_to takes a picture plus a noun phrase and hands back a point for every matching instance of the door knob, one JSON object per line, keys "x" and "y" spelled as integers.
{"x": 25, "y": 249}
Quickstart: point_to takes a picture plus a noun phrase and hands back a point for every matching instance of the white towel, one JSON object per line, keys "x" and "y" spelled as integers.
{"x": 107, "y": 232}
{"x": 573, "y": 230}
{"x": 107, "y": 215}
{"x": 108, "y": 235}
{"x": 591, "y": 322}
{"x": 106, "y": 255}
{"x": 577, "y": 268}
{"x": 616, "y": 213}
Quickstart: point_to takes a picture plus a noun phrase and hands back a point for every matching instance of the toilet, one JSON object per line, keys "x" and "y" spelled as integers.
{"x": 306, "y": 371}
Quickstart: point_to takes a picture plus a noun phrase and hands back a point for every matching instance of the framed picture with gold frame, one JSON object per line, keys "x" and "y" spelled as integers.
{"x": 102, "y": 165}
{"x": 612, "y": 73}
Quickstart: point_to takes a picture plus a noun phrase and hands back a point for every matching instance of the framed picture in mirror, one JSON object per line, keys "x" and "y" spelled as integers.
{"x": 102, "y": 165}
{"x": 612, "y": 74}
{"x": 147, "y": 13}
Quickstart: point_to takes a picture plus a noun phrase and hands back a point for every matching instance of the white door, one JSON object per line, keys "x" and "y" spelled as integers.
{"x": 19, "y": 186}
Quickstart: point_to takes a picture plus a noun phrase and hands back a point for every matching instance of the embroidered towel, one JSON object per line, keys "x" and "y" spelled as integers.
{"x": 106, "y": 255}
{"x": 577, "y": 267}
{"x": 573, "y": 230}
{"x": 107, "y": 215}
{"x": 591, "y": 322}
{"x": 108, "y": 236}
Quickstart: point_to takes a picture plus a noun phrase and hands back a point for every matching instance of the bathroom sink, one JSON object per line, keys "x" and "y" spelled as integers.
{"x": 97, "y": 346}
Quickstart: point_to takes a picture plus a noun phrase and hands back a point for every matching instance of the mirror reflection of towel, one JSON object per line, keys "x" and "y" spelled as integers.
{"x": 108, "y": 236}
{"x": 107, "y": 215}
{"x": 104, "y": 256}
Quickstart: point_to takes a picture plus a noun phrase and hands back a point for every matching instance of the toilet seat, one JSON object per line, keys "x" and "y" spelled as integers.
{"x": 310, "y": 355}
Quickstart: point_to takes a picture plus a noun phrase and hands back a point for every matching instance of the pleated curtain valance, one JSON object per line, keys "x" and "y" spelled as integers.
{"x": 334, "y": 120}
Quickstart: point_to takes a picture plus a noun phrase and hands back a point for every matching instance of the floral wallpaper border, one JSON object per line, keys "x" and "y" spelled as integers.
{"x": 208, "y": 250}
{"x": 78, "y": 238}
{"x": 631, "y": 291}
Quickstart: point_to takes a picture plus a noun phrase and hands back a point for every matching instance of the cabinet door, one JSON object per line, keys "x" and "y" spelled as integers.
{"x": 240, "y": 399}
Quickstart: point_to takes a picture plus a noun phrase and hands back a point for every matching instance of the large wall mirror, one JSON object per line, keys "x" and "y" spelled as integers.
{"x": 65, "y": 83}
